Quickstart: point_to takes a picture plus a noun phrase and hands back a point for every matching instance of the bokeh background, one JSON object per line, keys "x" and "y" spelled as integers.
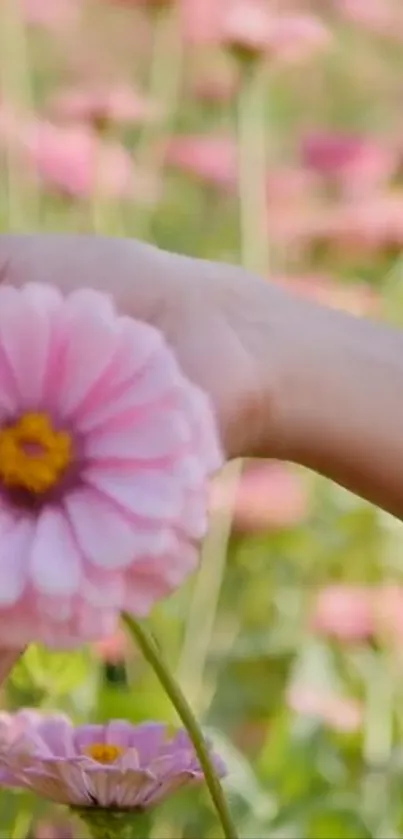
{"x": 269, "y": 133}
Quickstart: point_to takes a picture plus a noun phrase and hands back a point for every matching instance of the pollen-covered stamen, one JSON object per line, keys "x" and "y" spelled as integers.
{"x": 104, "y": 752}
{"x": 33, "y": 454}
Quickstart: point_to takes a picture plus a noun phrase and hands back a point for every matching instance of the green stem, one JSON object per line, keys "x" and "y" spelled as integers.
{"x": 163, "y": 90}
{"x": 15, "y": 80}
{"x": 104, "y": 823}
{"x": 206, "y": 593}
{"x": 252, "y": 168}
{"x": 151, "y": 653}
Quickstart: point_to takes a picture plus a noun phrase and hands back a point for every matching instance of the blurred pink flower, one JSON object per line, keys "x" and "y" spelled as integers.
{"x": 366, "y": 226}
{"x": 340, "y": 713}
{"x": 358, "y": 165}
{"x": 216, "y": 84}
{"x": 270, "y": 496}
{"x": 51, "y": 14}
{"x": 113, "y": 649}
{"x": 76, "y": 162}
{"x": 101, "y": 105}
{"x": 344, "y": 612}
{"x": 105, "y": 454}
{"x": 200, "y": 20}
{"x": 358, "y": 299}
{"x": 378, "y": 16}
{"x": 251, "y": 27}
{"x": 210, "y": 158}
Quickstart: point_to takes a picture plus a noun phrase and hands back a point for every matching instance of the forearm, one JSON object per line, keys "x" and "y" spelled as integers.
{"x": 339, "y": 401}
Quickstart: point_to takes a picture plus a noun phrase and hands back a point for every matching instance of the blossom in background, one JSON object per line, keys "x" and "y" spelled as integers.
{"x": 210, "y": 158}
{"x": 270, "y": 496}
{"x": 50, "y": 14}
{"x": 118, "y": 765}
{"x": 105, "y": 454}
{"x": 341, "y": 713}
{"x": 344, "y": 612}
{"x": 112, "y": 650}
{"x": 76, "y": 162}
{"x": 358, "y": 165}
{"x": 102, "y": 105}
{"x": 251, "y": 28}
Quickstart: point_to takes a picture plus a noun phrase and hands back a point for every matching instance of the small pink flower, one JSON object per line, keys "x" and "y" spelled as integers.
{"x": 338, "y": 712}
{"x": 358, "y": 165}
{"x": 251, "y": 27}
{"x": 210, "y": 158}
{"x": 270, "y": 496}
{"x": 50, "y": 14}
{"x": 200, "y": 20}
{"x": 246, "y": 25}
{"x": 103, "y": 105}
{"x": 105, "y": 453}
{"x": 76, "y": 162}
{"x": 344, "y": 612}
{"x": 117, "y": 766}
{"x": 113, "y": 649}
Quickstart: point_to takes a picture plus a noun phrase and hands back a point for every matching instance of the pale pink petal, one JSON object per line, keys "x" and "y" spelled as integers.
{"x": 147, "y": 494}
{"x": 92, "y": 342}
{"x": 103, "y": 589}
{"x": 57, "y": 734}
{"x": 152, "y": 437}
{"x": 105, "y": 537}
{"x": 25, "y": 329}
{"x": 55, "y": 563}
{"x": 14, "y": 547}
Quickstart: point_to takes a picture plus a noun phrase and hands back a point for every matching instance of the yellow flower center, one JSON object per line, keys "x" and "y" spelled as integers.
{"x": 33, "y": 454}
{"x": 104, "y": 753}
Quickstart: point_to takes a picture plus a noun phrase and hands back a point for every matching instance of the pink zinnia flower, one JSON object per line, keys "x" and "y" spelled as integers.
{"x": 338, "y": 712}
{"x": 357, "y": 164}
{"x": 210, "y": 158}
{"x": 344, "y": 612}
{"x": 105, "y": 452}
{"x": 251, "y": 28}
{"x": 103, "y": 105}
{"x": 270, "y": 496}
{"x": 76, "y": 162}
{"x": 117, "y": 766}
{"x": 112, "y": 650}
{"x": 50, "y": 14}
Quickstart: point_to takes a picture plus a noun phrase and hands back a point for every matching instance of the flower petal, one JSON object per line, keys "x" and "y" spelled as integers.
{"x": 91, "y": 345}
{"x": 152, "y": 437}
{"x": 105, "y": 536}
{"x": 149, "y": 494}
{"x": 25, "y": 337}
{"x": 14, "y": 550}
{"x": 55, "y": 562}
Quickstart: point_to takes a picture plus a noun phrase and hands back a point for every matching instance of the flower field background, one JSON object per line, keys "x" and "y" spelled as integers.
{"x": 267, "y": 133}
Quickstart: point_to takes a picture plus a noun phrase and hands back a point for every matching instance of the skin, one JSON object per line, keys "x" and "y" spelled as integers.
{"x": 288, "y": 379}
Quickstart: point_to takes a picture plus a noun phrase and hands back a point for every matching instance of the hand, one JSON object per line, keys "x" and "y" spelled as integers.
{"x": 211, "y": 314}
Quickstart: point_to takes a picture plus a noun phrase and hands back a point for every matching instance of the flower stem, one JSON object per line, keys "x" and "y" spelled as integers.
{"x": 163, "y": 91}
{"x": 15, "y": 81}
{"x": 105, "y": 823}
{"x": 252, "y": 168}
{"x": 151, "y": 653}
